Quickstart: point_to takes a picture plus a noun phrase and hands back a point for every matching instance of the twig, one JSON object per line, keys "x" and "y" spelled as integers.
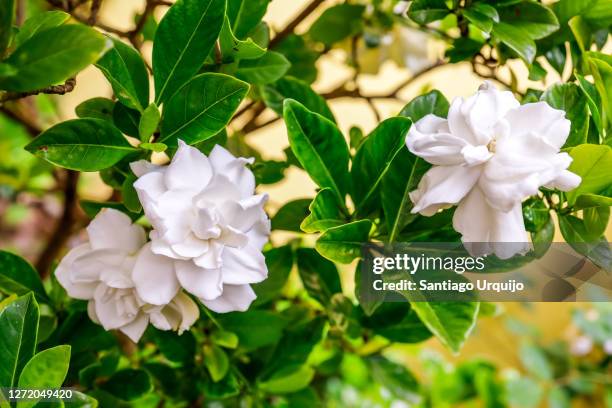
{"x": 93, "y": 12}
{"x": 285, "y": 32}
{"x": 67, "y": 87}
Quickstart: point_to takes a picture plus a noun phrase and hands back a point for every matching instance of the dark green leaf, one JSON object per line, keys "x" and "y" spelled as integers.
{"x": 45, "y": 370}
{"x": 269, "y": 171}
{"x": 39, "y": 22}
{"x": 290, "y": 216}
{"x": 292, "y": 88}
{"x": 319, "y": 146}
{"x": 17, "y": 276}
{"x": 97, "y": 108}
{"x": 569, "y": 98}
{"x": 531, "y": 18}
{"x": 279, "y": 262}
{"x": 255, "y": 328}
{"x": 125, "y": 69}
{"x": 264, "y": 70}
{"x": 535, "y": 214}
{"x": 179, "y": 349}
{"x": 319, "y": 276}
{"x": 128, "y": 384}
{"x": 19, "y": 328}
{"x": 482, "y": 16}
{"x": 426, "y": 11}
{"x": 126, "y": 120}
{"x": 183, "y": 40}
{"x": 52, "y": 56}
{"x": 432, "y": 102}
{"x": 201, "y": 108}
{"x": 373, "y": 160}
{"x": 81, "y": 144}
{"x": 325, "y": 212}
{"x": 7, "y": 13}
{"x": 92, "y": 208}
{"x": 302, "y": 57}
{"x": 517, "y": 39}
{"x": 397, "y": 322}
{"x": 337, "y": 23}
{"x": 343, "y": 243}
{"x": 129, "y": 195}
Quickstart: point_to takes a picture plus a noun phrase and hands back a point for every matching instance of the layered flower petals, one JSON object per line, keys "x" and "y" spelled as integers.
{"x": 235, "y": 298}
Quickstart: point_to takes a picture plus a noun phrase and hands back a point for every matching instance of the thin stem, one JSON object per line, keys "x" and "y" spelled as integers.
{"x": 290, "y": 27}
{"x": 67, "y": 87}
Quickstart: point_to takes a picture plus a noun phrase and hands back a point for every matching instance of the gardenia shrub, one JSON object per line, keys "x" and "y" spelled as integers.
{"x": 184, "y": 288}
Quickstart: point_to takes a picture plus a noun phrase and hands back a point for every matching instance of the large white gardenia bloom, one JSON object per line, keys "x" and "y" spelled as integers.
{"x": 489, "y": 156}
{"x": 209, "y": 222}
{"x": 100, "y": 271}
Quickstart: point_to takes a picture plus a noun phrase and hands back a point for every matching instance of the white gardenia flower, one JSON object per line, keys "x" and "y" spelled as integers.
{"x": 100, "y": 271}
{"x": 489, "y": 156}
{"x": 209, "y": 222}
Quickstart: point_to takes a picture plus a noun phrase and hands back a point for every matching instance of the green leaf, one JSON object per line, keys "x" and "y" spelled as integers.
{"x": 426, "y": 11}
{"x": 337, "y": 23}
{"x": 396, "y": 378}
{"x": 201, "y": 108}
{"x": 19, "y": 328}
{"x": 395, "y": 321}
{"x": 594, "y": 164}
{"x": 183, "y": 40}
{"x": 178, "y": 349}
{"x": 19, "y": 277}
{"x": 532, "y": 18}
{"x": 558, "y": 397}
{"x": 601, "y": 69}
{"x": 599, "y": 14}
{"x": 225, "y": 339}
{"x": 290, "y": 216}
{"x": 245, "y": 15}
{"x": 235, "y": 49}
{"x": 279, "y": 262}
{"x": 80, "y": 400}
{"x": 126, "y": 119}
{"x": 92, "y": 208}
{"x": 581, "y": 31}
{"x": 255, "y": 328}
{"x": 46, "y": 369}
{"x": 432, "y": 102}
{"x": 97, "y": 108}
{"x": 373, "y": 160}
{"x": 319, "y": 146}
{"x": 292, "y": 88}
{"x": 128, "y": 384}
{"x": 597, "y": 249}
{"x": 319, "y": 276}
{"x": 517, "y": 39}
{"x": 343, "y": 243}
{"x": 125, "y": 69}
{"x": 52, "y": 56}
{"x": 81, "y": 144}
{"x": 325, "y": 212}
{"x": 39, "y": 22}
{"x": 592, "y": 200}
{"x": 129, "y": 195}
{"x": 569, "y": 98}
{"x": 535, "y": 361}
{"x": 288, "y": 379}
{"x": 535, "y": 214}
{"x": 596, "y": 220}
{"x": 302, "y": 57}
{"x": 154, "y": 147}
{"x": 593, "y": 99}
{"x": 148, "y": 122}
{"x": 7, "y": 13}
{"x": 482, "y": 16}
{"x": 264, "y": 70}
{"x": 523, "y": 392}
{"x": 296, "y": 345}
{"x": 216, "y": 362}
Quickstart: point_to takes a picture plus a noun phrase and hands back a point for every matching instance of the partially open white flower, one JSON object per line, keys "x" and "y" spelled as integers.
{"x": 207, "y": 218}
{"x": 100, "y": 271}
{"x": 489, "y": 156}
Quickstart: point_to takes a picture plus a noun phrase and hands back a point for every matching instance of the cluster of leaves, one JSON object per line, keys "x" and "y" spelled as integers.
{"x": 211, "y": 56}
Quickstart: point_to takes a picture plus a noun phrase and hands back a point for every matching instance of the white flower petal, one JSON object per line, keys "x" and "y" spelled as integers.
{"x": 203, "y": 283}
{"x": 565, "y": 181}
{"x": 244, "y": 265}
{"x": 142, "y": 167}
{"x": 234, "y": 168}
{"x": 442, "y": 186}
{"x": 150, "y": 187}
{"x": 136, "y": 329}
{"x": 191, "y": 246}
{"x": 189, "y": 169}
{"x": 539, "y": 119}
{"x": 179, "y": 315}
{"x": 112, "y": 229}
{"x": 109, "y": 311}
{"x": 235, "y": 298}
{"x": 75, "y": 289}
{"x": 154, "y": 277}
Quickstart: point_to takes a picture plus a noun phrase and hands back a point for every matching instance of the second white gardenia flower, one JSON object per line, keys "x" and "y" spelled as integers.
{"x": 207, "y": 219}
{"x": 489, "y": 156}
{"x": 100, "y": 271}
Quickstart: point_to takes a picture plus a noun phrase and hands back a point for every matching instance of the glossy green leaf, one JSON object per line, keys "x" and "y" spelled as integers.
{"x": 7, "y": 13}
{"x": 531, "y": 18}
{"x": 482, "y": 16}
{"x": 126, "y": 120}
{"x": 129, "y": 195}
{"x": 301, "y": 55}
{"x": 325, "y": 212}
{"x": 255, "y": 328}
{"x": 45, "y": 370}
{"x": 596, "y": 220}
{"x": 593, "y": 164}
{"x": 290, "y": 216}
{"x": 599, "y": 14}
{"x": 569, "y": 98}
{"x": 225, "y": 339}
{"x": 178, "y": 349}
{"x": 19, "y": 277}
{"x": 245, "y": 15}
{"x": 128, "y": 384}
{"x": 373, "y": 160}
{"x": 81, "y": 144}
{"x": 19, "y": 328}
{"x": 234, "y": 49}
{"x": 92, "y": 208}
{"x": 289, "y": 379}
{"x": 279, "y": 262}
{"x": 319, "y": 276}
{"x": 395, "y": 321}
{"x": 149, "y": 121}
{"x": 337, "y": 23}
{"x": 52, "y": 56}
{"x": 343, "y": 243}
{"x": 426, "y": 11}
{"x": 597, "y": 249}
{"x": 517, "y": 39}
{"x": 601, "y": 69}
{"x": 39, "y": 22}
{"x": 264, "y": 70}
{"x": 319, "y": 146}
{"x": 432, "y": 102}
{"x": 535, "y": 214}
{"x": 592, "y": 200}
{"x": 216, "y": 362}
{"x": 593, "y": 100}
{"x": 201, "y": 108}
{"x": 97, "y": 108}
{"x": 183, "y": 40}
{"x": 292, "y": 88}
